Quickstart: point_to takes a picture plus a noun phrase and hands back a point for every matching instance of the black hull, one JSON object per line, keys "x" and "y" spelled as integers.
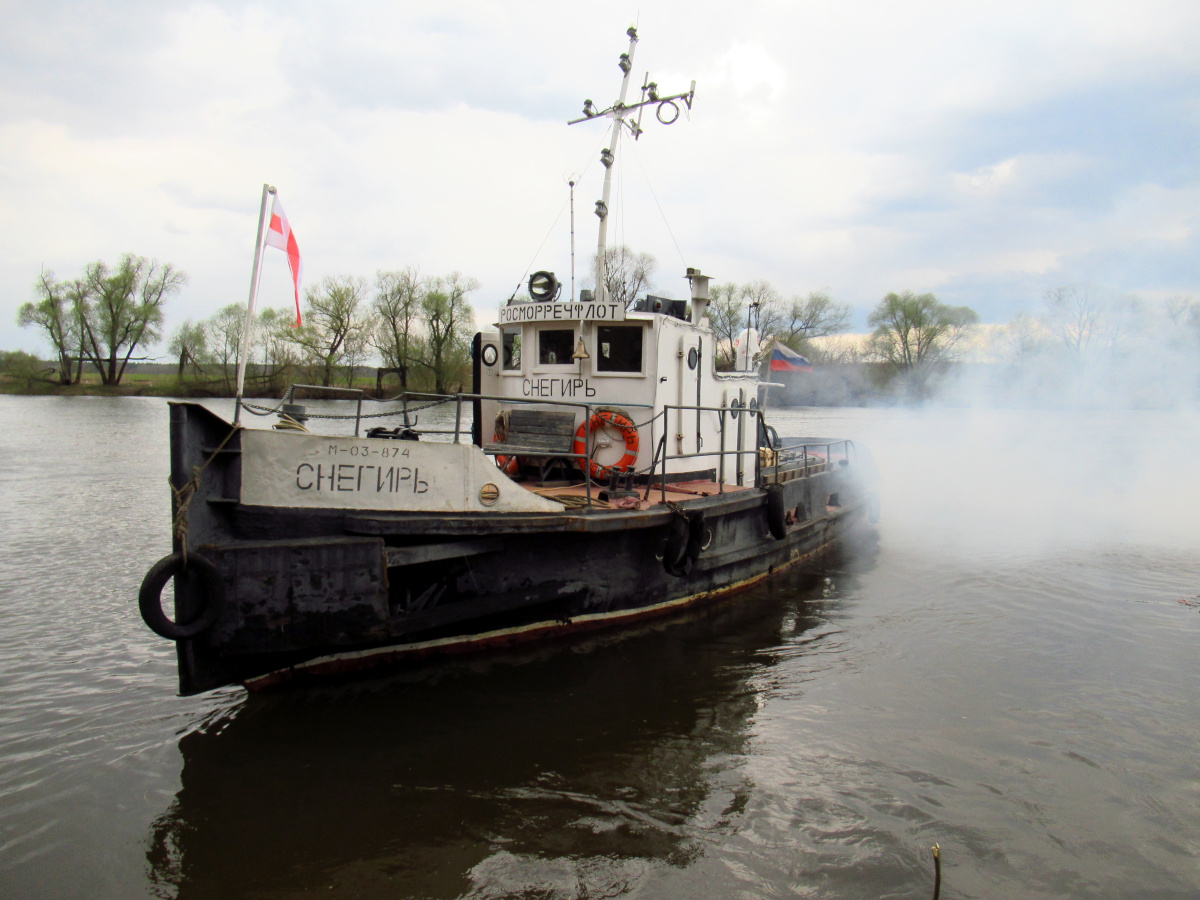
{"x": 321, "y": 593}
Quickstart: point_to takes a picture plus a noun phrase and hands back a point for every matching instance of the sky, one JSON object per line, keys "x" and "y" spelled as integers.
{"x": 982, "y": 151}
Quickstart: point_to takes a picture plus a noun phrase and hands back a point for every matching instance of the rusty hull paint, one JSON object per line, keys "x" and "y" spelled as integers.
{"x": 352, "y": 663}
{"x": 592, "y": 570}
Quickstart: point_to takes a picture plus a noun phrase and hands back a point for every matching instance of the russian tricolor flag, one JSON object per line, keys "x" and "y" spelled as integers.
{"x": 785, "y": 359}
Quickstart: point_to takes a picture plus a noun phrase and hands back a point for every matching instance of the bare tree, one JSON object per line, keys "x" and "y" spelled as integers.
{"x": 277, "y": 352}
{"x": 914, "y": 331}
{"x": 1089, "y": 319}
{"x": 1180, "y": 309}
{"x": 758, "y": 305}
{"x": 121, "y": 309}
{"x": 726, "y": 316}
{"x": 190, "y": 344}
{"x": 1023, "y": 338}
{"x": 816, "y": 315}
{"x": 627, "y": 274}
{"x": 763, "y": 305}
{"x": 449, "y": 321}
{"x": 272, "y": 351}
{"x": 56, "y": 313}
{"x": 335, "y": 325}
{"x": 1075, "y": 314}
{"x": 397, "y": 307}
{"x": 223, "y": 337}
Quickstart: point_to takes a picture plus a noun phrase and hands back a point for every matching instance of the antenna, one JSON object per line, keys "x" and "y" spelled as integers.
{"x": 572, "y": 184}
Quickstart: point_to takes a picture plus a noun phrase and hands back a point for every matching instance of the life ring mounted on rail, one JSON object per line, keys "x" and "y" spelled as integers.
{"x": 628, "y": 431}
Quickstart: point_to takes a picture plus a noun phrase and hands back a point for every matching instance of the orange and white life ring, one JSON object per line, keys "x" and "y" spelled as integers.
{"x": 509, "y": 465}
{"x": 628, "y": 431}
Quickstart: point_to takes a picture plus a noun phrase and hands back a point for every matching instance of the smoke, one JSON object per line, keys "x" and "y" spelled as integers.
{"x": 1090, "y": 348}
{"x": 1033, "y": 481}
{"x": 1078, "y": 426}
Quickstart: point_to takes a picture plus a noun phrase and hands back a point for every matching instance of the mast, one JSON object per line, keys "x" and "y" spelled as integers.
{"x": 618, "y": 112}
{"x": 608, "y": 157}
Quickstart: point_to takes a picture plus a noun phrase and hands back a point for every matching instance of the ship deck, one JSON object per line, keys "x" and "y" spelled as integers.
{"x": 575, "y": 495}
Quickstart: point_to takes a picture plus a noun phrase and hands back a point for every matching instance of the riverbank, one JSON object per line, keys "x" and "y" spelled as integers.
{"x": 148, "y": 386}
{"x": 131, "y": 387}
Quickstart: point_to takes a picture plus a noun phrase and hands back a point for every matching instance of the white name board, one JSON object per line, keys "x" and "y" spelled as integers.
{"x": 562, "y": 312}
{"x": 309, "y": 471}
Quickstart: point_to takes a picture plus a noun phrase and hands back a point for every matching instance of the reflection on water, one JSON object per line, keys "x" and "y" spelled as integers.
{"x": 569, "y": 772}
{"x": 1007, "y": 668}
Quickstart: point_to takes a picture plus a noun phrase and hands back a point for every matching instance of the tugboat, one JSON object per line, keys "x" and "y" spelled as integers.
{"x": 610, "y": 474}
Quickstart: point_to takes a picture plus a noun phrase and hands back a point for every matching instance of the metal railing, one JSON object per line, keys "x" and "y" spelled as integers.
{"x": 457, "y": 432}
{"x": 290, "y": 397}
{"x": 721, "y": 452}
{"x": 782, "y": 456}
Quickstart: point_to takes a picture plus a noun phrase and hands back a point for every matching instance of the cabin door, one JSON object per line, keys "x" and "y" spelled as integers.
{"x": 691, "y": 368}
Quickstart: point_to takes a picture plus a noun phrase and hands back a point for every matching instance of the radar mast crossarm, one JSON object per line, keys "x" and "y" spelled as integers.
{"x": 618, "y": 112}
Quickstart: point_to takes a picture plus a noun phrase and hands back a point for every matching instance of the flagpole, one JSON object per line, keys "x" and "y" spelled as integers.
{"x": 244, "y": 343}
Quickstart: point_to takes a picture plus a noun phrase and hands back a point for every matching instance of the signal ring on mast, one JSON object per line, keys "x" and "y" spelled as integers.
{"x": 659, "y": 112}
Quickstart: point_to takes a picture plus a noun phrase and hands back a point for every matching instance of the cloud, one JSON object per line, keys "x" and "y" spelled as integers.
{"x": 984, "y": 153}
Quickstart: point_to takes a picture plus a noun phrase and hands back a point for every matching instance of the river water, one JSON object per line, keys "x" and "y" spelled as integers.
{"x": 1006, "y": 667}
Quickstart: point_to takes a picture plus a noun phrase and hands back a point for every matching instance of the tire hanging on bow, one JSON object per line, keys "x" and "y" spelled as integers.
{"x": 174, "y": 566}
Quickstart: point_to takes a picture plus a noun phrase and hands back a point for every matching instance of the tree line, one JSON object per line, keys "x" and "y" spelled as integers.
{"x": 911, "y": 332}
{"x": 419, "y": 326}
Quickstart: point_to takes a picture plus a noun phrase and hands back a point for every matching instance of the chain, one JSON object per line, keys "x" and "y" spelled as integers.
{"x": 675, "y": 508}
{"x": 266, "y": 411}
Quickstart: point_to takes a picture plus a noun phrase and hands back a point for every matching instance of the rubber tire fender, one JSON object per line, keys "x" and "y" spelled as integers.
{"x": 776, "y": 514}
{"x": 769, "y": 437}
{"x": 674, "y": 553}
{"x": 150, "y": 596}
{"x": 696, "y": 531}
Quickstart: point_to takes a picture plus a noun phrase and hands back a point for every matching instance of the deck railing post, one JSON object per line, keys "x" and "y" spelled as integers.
{"x": 775, "y": 450}
{"x": 758, "y": 472}
{"x": 741, "y": 439}
{"x": 721, "y": 457}
{"x": 457, "y": 415}
{"x": 587, "y": 460}
{"x": 666, "y": 448}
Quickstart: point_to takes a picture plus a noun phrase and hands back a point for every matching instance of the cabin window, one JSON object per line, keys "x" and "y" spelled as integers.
{"x": 512, "y": 350}
{"x": 555, "y": 346}
{"x": 619, "y": 348}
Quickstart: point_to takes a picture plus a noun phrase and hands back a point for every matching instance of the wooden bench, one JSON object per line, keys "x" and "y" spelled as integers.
{"x": 536, "y": 433}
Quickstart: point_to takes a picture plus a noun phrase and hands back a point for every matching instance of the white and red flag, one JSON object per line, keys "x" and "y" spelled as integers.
{"x": 280, "y": 234}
